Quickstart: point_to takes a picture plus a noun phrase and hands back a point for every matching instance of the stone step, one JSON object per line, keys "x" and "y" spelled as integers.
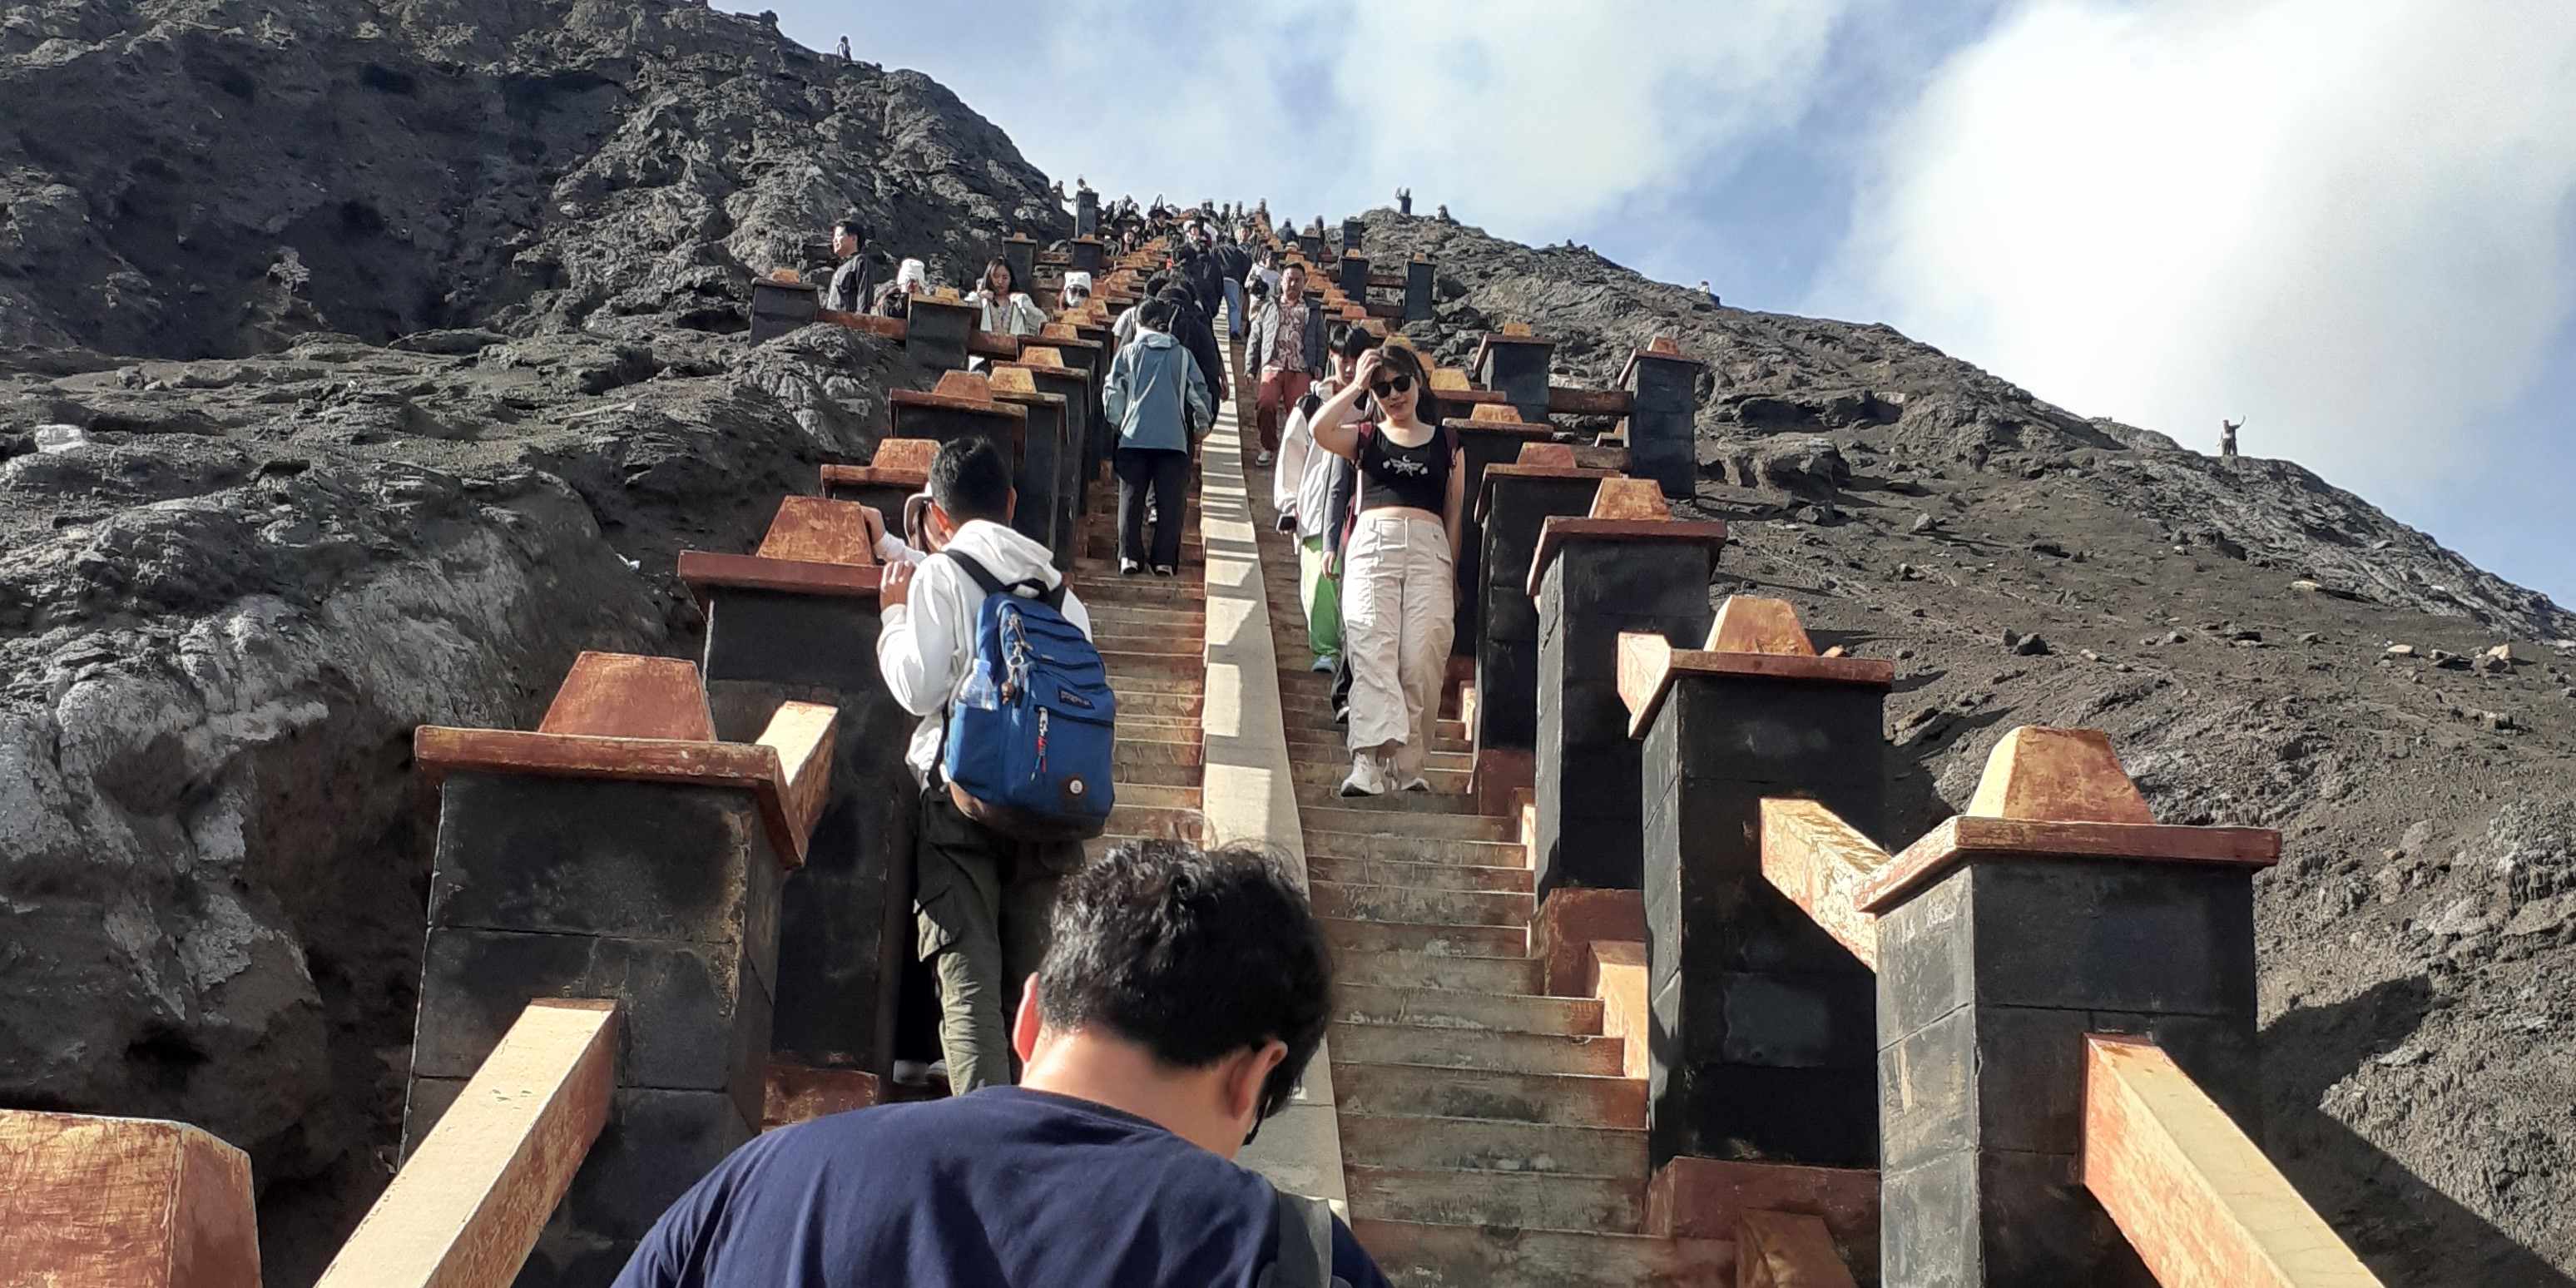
{"x": 1454, "y": 1008}
{"x": 1158, "y": 795}
{"x": 1525, "y": 1201}
{"x": 1348, "y": 936}
{"x": 1329, "y": 774}
{"x": 1565, "y": 1100}
{"x": 1150, "y": 643}
{"x": 1122, "y": 663}
{"x": 1417, "y": 876}
{"x": 1457, "y": 1048}
{"x": 1515, "y": 975}
{"x": 1319, "y": 731}
{"x": 1386, "y": 846}
{"x": 1481, "y": 1144}
{"x": 1426, "y": 1255}
{"x": 1171, "y": 706}
{"x": 1402, "y": 903}
{"x": 1361, "y": 816}
{"x": 1139, "y": 747}
{"x": 1105, "y": 597}
{"x": 1335, "y": 753}
{"x": 1150, "y": 820}
{"x": 1185, "y": 687}
{"x": 1148, "y": 774}
{"x": 1396, "y": 802}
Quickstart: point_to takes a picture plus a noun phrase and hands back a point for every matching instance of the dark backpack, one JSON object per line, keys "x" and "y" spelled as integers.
{"x": 1304, "y": 1256}
{"x": 1031, "y": 740}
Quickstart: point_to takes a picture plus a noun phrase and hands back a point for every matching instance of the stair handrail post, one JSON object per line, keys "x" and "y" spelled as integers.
{"x": 1661, "y": 430}
{"x": 619, "y": 851}
{"x": 1766, "y": 1046}
{"x": 1517, "y": 481}
{"x": 2056, "y": 907}
{"x": 135, "y": 1202}
{"x": 1627, "y": 566}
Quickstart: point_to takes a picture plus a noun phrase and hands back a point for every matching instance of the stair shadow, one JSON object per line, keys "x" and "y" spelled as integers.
{"x": 2406, "y": 1230}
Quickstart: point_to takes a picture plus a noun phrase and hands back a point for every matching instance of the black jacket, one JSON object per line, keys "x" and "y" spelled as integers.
{"x": 1190, "y": 327}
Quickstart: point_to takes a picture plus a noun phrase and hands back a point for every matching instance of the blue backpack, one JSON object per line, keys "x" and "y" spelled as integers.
{"x": 1032, "y": 736}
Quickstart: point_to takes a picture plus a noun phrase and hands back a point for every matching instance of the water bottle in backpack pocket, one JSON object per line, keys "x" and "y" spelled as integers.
{"x": 1032, "y": 736}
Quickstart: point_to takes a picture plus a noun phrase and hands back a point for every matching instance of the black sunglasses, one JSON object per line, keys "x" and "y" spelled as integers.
{"x": 1391, "y": 385}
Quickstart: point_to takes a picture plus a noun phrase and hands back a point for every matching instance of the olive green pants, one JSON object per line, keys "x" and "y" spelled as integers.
{"x": 980, "y": 906}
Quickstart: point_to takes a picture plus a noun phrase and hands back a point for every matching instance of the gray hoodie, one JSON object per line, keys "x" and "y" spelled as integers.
{"x": 1155, "y": 394}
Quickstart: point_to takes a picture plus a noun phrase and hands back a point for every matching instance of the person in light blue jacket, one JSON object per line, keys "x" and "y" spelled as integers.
{"x": 1159, "y": 401}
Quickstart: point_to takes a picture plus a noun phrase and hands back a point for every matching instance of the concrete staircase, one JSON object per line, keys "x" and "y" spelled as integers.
{"x": 1152, "y": 635}
{"x": 1488, "y": 1134}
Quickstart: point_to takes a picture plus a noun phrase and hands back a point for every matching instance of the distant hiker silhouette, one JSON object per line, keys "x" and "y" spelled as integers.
{"x": 2227, "y": 435}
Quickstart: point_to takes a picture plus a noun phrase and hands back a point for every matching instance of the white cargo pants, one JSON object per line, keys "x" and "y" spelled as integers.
{"x": 1399, "y": 590}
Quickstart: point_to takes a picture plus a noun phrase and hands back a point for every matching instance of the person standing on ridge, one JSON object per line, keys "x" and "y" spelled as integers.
{"x": 2227, "y": 435}
{"x": 1399, "y": 567}
{"x": 980, "y": 898}
{"x": 849, "y": 290}
{"x": 1286, "y": 352}
{"x": 845, "y": 49}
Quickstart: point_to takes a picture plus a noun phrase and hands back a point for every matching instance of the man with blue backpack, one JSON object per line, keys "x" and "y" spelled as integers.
{"x": 981, "y": 638}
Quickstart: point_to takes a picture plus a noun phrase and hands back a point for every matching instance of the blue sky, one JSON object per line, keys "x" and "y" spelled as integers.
{"x": 2350, "y": 222}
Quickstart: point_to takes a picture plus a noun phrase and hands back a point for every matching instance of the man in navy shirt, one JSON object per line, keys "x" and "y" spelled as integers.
{"x": 1175, "y": 1009}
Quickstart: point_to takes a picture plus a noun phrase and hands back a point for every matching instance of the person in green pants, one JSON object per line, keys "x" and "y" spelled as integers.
{"x": 1312, "y": 491}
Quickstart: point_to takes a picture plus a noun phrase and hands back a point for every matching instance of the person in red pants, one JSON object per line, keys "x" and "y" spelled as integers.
{"x": 1286, "y": 353}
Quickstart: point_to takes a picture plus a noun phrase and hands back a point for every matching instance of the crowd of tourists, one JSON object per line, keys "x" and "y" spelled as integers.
{"x": 1112, "y": 1031}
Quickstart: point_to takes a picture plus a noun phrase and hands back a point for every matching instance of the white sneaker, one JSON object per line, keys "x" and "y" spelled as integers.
{"x": 911, "y": 1073}
{"x": 1264, "y": 459}
{"x": 1366, "y": 779}
{"x": 1419, "y": 784}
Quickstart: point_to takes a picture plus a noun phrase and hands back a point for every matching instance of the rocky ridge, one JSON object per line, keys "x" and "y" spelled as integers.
{"x": 2264, "y": 649}
{"x": 362, "y": 363}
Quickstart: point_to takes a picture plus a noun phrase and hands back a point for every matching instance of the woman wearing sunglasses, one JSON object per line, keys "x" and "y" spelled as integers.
{"x": 1399, "y": 564}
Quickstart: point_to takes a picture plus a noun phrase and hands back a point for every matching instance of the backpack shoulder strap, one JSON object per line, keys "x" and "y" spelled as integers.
{"x": 983, "y": 576}
{"x": 1051, "y": 596}
{"x": 1305, "y": 1253}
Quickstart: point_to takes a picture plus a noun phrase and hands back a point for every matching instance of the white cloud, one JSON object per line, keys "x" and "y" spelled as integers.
{"x": 2349, "y": 221}
{"x": 1531, "y": 117}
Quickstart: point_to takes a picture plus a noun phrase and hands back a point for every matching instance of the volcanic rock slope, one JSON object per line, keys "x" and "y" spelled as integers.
{"x": 401, "y": 343}
{"x": 2229, "y": 622}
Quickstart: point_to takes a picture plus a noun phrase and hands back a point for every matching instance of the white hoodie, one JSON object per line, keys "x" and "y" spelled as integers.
{"x": 926, "y": 645}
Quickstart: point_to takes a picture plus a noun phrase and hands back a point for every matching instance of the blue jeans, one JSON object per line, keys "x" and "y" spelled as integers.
{"x": 1236, "y": 318}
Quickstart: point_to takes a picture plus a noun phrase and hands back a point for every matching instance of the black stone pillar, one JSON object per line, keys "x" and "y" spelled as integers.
{"x": 1597, "y": 578}
{"x": 1514, "y": 500}
{"x": 1354, "y": 276}
{"x": 1662, "y": 443}
{"x": 884, "y": 488}
{"x": 1020, "y": 251}
{"x": 1086, "y": 254}
{"x": 1311, "y": 245}
{"x": 561, "y": 870}
{"x": 935, "y": 331}
{"x": 1997, "y": 952}
{"x": 1354, "y": 229}
{"x": 1040, "y": 480}
{"x": 941, "y": 417}
{"x": 1086, "y": 212}
{"x": 780, "y": 307}
{"x": 1081, "y": 415}
{"x": 1765, "y": 1025}
{"x": 1417, "y": 290}
{"x": 1517, "y": 365}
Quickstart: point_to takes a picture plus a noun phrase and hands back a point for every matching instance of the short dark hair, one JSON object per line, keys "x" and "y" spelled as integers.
{"x": 851, "y": 224}
{"x": 1154, "y": 285}
{"x": 1192, "y": 954}
{"x": 1351, "y": 341}
{"x": 970, "y": 480}
{"x": 1155, "y": 313}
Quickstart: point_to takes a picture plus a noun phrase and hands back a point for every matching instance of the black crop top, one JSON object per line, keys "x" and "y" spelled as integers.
{"x": 1392, "y": 474}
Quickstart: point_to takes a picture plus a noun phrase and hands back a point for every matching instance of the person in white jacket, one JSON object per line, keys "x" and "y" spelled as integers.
{"x": 1312, "y": 490}
{"x": 1007, "y": 310}
{"x": 980, "y": 899}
